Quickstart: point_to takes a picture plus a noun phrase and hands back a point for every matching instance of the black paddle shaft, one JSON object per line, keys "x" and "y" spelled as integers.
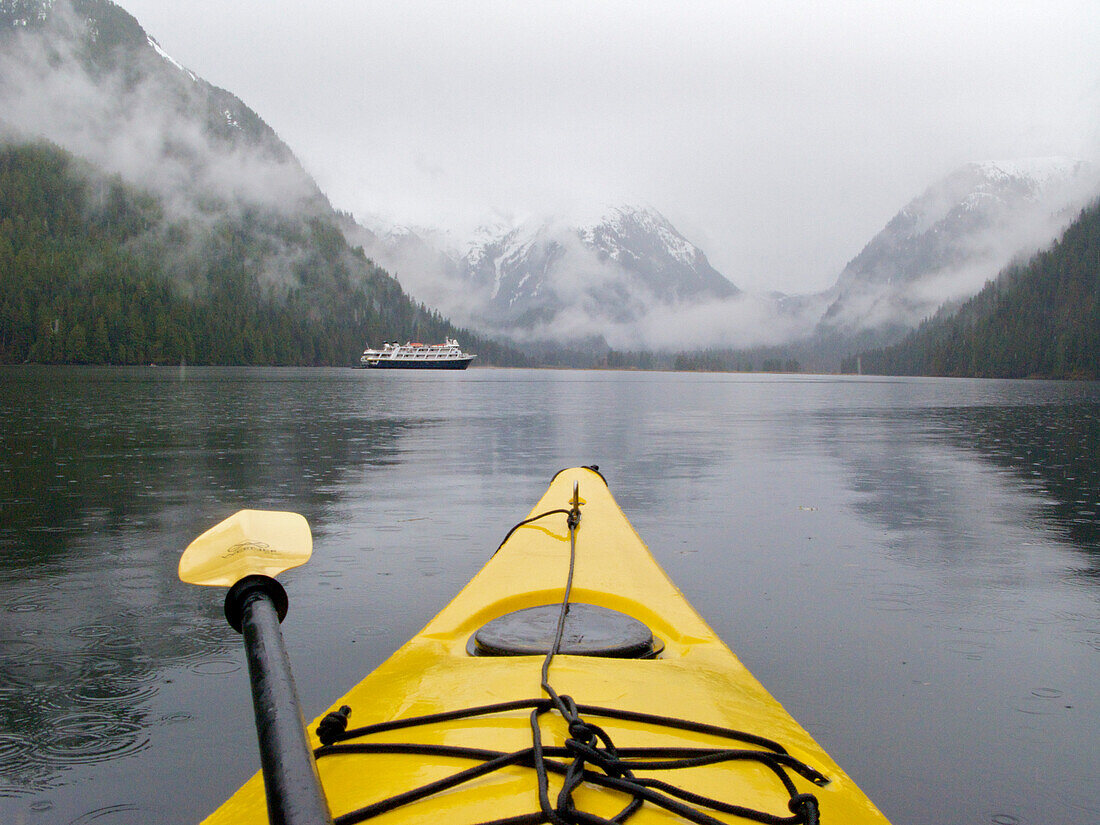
{"x": 254, "y": 607}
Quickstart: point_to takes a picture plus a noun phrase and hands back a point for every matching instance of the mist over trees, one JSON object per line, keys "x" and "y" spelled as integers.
{"x": 92, "y": 271}
{"x": 147, "y": 216}
{"x": 1039, "y": 319}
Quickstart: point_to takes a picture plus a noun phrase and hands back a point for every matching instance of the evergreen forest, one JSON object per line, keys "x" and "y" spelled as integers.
{"x": 94, "y": 271}
{"x": 1040, "y": 319}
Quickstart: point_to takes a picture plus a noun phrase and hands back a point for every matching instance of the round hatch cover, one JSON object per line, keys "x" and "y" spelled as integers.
{"x": 589, "y": 630}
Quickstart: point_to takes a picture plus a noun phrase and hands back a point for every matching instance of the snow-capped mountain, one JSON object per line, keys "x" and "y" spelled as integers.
{"x": 642, "y": 241}
{"x": 945, "y": 244}
{"x": 556, "y": 277}
{"x": 625, "y": 273}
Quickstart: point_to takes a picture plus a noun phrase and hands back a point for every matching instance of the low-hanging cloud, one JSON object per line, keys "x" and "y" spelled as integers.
{"x": 566, "y": 291}
{"x": 962, "y": 232}
{"x": 144, "y": 119}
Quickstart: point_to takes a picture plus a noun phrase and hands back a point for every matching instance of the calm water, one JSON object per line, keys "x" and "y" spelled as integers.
{"x": 911, "y": 566}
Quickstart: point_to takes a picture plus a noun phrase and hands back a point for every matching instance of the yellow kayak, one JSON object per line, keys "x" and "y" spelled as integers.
{"x": 569, "y": 681}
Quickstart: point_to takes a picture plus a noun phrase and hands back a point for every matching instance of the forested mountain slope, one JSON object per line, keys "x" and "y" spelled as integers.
{"x": 1040, "y": 318}
{"x": 147, "y": 216}
{"x": 92, "y": 270}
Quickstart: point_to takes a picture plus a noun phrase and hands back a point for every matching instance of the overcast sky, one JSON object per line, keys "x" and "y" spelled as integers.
{"x": 778, "y": 136}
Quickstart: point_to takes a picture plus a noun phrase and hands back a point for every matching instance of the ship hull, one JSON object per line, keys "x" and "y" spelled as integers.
{"x": 410, "y": 364}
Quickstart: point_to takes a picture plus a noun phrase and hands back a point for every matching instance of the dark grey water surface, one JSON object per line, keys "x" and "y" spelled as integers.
{"x": 911, "y": 566}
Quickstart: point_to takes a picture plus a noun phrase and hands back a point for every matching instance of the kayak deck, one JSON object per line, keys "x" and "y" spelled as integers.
{"x": 691, "y": 675}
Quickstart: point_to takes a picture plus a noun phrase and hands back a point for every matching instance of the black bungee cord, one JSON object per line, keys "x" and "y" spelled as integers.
{"x": 587, "y": 745}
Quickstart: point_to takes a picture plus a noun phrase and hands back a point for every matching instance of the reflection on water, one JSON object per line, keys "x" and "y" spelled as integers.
{"x": 88, "y": 454}
{"x": 912, "y": 487}
{"x": 911, "y": 566}
{"x": 105, "y": 476}
{"x": 1055, "y": 451}
{"x": 987, "y": 513}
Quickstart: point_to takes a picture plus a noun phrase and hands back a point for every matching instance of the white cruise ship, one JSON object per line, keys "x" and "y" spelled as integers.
{"x": 416, "y": 356}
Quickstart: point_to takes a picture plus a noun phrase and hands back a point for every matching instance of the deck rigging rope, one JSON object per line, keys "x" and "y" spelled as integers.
{"x": 592, "y": 756}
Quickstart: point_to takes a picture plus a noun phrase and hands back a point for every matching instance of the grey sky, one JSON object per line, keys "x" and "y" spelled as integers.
{"x": 778, "y": 136}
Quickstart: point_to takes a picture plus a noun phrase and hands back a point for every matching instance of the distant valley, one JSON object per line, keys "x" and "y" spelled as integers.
{"x": 628, "y": 279}
{"x": 124, "y": 174}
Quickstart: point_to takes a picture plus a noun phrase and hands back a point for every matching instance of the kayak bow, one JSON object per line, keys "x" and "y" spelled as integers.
{"x": 640, "y": 714}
